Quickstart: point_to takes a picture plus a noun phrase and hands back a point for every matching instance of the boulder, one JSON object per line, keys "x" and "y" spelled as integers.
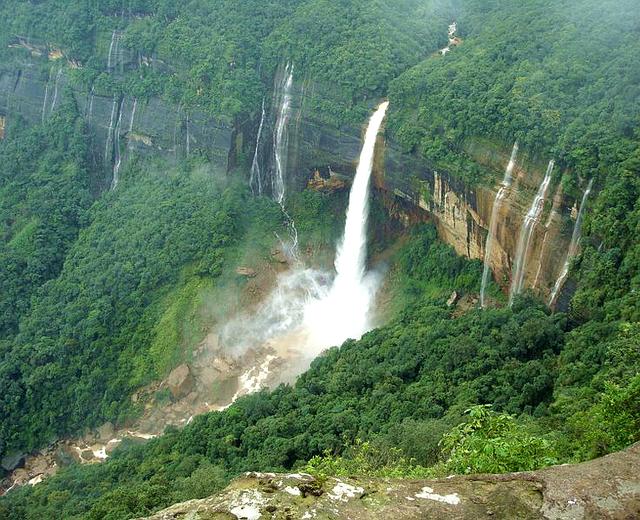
{"x": 106, "y": 432}
{"x": 453, "y": 299}
{"x": 246, "y": 271}
{"x": 180, "y": 381}
{"x": 12, "y": 460}
{"x": 279, "y": 256}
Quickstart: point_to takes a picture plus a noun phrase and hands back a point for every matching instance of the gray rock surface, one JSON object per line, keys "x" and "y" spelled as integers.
{"x": 606, "y": 488}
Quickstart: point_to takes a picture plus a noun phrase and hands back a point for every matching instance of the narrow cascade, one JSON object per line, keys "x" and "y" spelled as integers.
{"x": 133, "y": 114}
{"x": 112, "y": 59}
{"x": 281, "y": 137}
{"x": 116, "y": 148}
{"x": 526, "y": 232}
{"x": 493, "y": 223}
{"x": 255, "y": 181}
{"x": 55, "y": 91}
{"x": 89, "y": 110}
{"x": 188, "y": 139}
{"x": 573, "y": 247}
{"x": 112, "y": 121}
{"x": 344, "y": 313}
{"x": 46, "y": 99}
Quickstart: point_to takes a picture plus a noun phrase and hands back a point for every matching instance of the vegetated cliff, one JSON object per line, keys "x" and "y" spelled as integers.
{"x": 122, "y": 127}
{"x": 581, "y": 491}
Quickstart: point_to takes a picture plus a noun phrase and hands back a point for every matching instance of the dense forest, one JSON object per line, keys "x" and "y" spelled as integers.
{"x": 90, "y": 281}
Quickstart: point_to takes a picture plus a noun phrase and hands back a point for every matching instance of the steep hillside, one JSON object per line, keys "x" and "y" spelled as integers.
{"x": 161, "y": 165}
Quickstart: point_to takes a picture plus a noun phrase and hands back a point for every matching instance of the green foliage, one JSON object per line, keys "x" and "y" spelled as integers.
{"x": 365, "y": 459}
{"x": 44, "y": 198}
{"x": 555, "y": 77}
{"x": 109, "y": 322}
{"x": 490, "y": 442}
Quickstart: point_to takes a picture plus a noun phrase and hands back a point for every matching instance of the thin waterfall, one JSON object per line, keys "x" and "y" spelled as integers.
{"x": 46, "y": 99}
{"x": 112, "y": 121}
{"x": 55, "y": 90}
{"x": 133, "y": 114}
{"x": 116, "y": 148}
{"x": 281, "y": 137}
{"x": 552, "y": 214}
{"x": 115, "y": 38}
{"x": 493, "y": 223}
{"x": 255, "y": 181}
{"x": 344, "y": 313}
{"x": 188, "y": 143}
{"x": 89, "y": 113}
{"x": 573, "y": 247}
{"x": 526, "y": 232}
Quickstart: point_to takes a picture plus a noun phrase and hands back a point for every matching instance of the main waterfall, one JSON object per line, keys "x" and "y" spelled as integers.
{"x": 573, "y": 247}
{"x": 493, "y": 223}
{"x": 347, "y": 306}
{"x": 526, "y": 232}
{"x": 310, "y": 310}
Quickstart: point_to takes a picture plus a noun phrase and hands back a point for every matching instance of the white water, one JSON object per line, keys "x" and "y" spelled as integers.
{"x": 493, "y": 223}
{"x": 453, "y": 27}
{"x": 116, "y": 148}
{"x": 310, "y": 310}
{"x": 281, "y": 137}
{"x": 526, "y": 232}
{"x": 55, "y": 91}
{"x": 133, "y": 114}
{"x": 115, "y": 40}
{"x": 46, "y": 98}
{"x": 573, "y": 247}
{"x": 110, "y": 129}
{"x": 255, "y": 181}
{"x": 90, "y": 106}
{"x": 188, "y": 137}
{"x": 345, "y": 312}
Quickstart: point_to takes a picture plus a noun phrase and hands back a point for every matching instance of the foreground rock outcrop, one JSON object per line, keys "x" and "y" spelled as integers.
{"x": 606, "y": 488}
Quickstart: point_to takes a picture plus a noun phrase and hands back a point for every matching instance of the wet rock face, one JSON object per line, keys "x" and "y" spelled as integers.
{"x": 180, "y": 381}
{"x": 607, "y": 488}
{"x": 147, "y": 128}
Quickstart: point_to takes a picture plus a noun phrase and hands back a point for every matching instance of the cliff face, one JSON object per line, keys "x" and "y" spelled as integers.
{"x": 606, "y": 488}
{"x": 122, "y": 127}
{"x": 414, "y": 191}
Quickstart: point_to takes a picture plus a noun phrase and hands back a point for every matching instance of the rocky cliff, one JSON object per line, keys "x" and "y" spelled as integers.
{"x": 122, "y": 127}
{"x": 606, "y": 488}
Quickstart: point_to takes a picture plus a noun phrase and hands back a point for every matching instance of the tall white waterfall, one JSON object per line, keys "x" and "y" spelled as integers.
{"x": 526, "y": 232}
{"x": 493, "y": 223}
{"x": 345, "y": 312}
{"x": 281, "y": 137}
{"x": 310, "y": 310}
{"x": 255, "y": 181}
{"x": 573, "y": 247}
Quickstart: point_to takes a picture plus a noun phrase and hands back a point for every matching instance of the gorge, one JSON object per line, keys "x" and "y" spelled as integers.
{"x": 352, "y": 248}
